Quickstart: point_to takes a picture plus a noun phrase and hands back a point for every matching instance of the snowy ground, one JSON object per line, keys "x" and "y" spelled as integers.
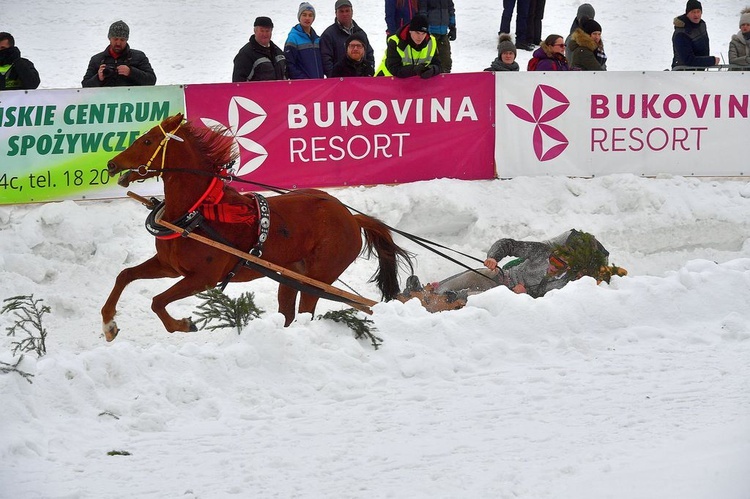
{"x": 635, "y": 389}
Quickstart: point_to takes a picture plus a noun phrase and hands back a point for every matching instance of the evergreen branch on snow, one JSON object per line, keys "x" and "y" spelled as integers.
{"x": 226, "y": 311}
{"x": 6, "y": 368}
{"x": 28, "y": 313}
{"x": 362, "y": 327}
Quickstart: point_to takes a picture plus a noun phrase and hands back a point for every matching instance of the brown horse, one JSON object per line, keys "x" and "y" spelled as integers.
{"x": 311, "y": 232}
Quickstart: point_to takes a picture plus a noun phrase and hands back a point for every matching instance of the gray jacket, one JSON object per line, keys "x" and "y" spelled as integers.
{"x": 531, "y": 271}
{"x": 739, "y": 51}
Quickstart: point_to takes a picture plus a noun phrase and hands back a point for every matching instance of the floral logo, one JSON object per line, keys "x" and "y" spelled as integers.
{"x": 240, "y": 131}
{"x": 556, "y": 104}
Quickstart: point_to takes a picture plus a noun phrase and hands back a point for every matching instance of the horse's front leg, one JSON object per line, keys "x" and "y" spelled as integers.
{"x": 150, "y": 269}
{"x": 188, "y": 286}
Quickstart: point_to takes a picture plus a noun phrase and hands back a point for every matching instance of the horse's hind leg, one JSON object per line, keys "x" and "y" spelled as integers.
{"x": 150, "y": 269}
{"x": 287, "y": 299}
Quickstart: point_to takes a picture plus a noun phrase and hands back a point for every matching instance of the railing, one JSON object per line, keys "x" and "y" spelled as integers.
{"x": 718, "y": 67}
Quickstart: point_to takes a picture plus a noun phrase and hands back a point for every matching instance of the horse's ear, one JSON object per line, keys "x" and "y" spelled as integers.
{"x": 173, "y": 120}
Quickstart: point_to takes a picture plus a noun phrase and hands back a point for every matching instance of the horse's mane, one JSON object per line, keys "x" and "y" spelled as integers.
{"x": 214, "y": 144}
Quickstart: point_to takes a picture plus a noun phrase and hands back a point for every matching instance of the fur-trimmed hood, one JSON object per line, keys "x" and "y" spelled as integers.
{"x": 580, "y": 38}
{"x": 683, "y": 23}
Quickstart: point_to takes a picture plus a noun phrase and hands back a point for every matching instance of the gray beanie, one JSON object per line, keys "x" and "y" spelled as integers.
{"x": 745, "y": 17}
{"x": 585, "y": 11}
{"x": 119, "y": 29}
{"x": 505, "y": 44}
{"x": 303, "y": 7}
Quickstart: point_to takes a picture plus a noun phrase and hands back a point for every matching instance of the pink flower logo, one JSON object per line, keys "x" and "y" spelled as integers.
{"x": 559, "y": 104}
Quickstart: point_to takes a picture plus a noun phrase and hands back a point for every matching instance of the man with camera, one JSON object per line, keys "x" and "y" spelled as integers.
{"x": 119, "y": 65}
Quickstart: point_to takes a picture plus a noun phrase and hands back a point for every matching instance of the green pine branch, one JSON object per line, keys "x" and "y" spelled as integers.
{"x": 219, "y": 310}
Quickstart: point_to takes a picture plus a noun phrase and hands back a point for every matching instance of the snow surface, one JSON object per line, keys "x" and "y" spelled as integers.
{"x": 637, "y": 389}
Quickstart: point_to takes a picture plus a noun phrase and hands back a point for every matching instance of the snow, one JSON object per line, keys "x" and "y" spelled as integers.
{"x": 634, "y": 389}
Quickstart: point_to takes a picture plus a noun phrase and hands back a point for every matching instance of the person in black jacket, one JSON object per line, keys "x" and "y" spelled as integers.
{"x": 119, "y": 65}
{"x": 16, "y": 73}
{"x": 354, "y": 63}
{"x": 333, "y": 39}
{"x": 690, "y": 44}
{"x": 260, "y": 59}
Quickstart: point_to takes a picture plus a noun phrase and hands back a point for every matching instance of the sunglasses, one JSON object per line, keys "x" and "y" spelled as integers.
{"x": 559, "y": 45}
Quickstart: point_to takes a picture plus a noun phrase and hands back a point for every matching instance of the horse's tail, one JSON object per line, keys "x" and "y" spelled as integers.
{"x": 378, "y": 240}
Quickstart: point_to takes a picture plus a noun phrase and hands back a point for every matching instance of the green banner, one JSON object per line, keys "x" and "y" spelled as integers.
{"x": 55, "y": 144}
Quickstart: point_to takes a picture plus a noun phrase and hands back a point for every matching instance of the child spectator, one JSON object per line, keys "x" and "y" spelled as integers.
{"x": 506, "y": 55}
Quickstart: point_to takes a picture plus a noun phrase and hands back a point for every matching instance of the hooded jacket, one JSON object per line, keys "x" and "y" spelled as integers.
{"x": 17, "y": 73}
{"x": 690, "y": 44}
{"x": 584, "y": 51}
{"x": 404, "y": 59}
{"x": 141, "y": 72}
{"x": 547, "y": 60}
{"x": 440, "y": 14}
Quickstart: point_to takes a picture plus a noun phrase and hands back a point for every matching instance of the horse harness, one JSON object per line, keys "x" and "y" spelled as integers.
{"x": 207, "y": 207}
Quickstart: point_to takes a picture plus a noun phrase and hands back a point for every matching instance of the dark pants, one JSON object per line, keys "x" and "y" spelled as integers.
{"x": 536, "y": 14}
{"x": 522, "y": 14}
{"x": 444, "y": 52}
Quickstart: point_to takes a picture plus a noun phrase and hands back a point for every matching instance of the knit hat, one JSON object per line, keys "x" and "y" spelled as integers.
{"x": 585, "y": 11}
{"x": 419, "y": 23}
{"x": 264, "y": 22}
{"x": 303, "y": 7}
{"x": 692, "y": 5}
{"x": 589, "y": 26}
{"x": 342, "y": 3}
{"x": 119, "y": 29}
{"x": 745, "y": 17}
{"x": 505, "y": 44}
{"x": 356, "y": 36}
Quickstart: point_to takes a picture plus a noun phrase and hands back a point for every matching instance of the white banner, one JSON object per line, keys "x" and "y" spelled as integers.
{"x": 647, "y": 123}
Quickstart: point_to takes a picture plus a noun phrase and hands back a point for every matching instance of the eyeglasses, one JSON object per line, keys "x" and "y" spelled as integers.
{"x": 559, "y": 45}
{"x": 356, "y": 46}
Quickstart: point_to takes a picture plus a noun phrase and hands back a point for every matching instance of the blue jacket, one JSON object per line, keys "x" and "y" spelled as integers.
{"x": 690, "y": 44}
{"x": 302, "y": 53}
{"x": 397, "y": 17}
{"x": 440, "y": 14}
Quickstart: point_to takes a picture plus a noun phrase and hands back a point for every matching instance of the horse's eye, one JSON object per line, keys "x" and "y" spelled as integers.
{"x": 147, "y": 142}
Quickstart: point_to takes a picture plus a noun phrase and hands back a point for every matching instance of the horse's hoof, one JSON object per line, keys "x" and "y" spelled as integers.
{"x": 110, "y": 331}
{"x": 192, "y": 327}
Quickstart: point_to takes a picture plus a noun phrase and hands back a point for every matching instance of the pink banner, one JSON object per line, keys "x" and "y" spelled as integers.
{"x": 355, "y": 131}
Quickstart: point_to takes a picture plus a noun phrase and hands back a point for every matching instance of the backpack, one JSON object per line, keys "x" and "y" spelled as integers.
{"x": 531, "y": 66}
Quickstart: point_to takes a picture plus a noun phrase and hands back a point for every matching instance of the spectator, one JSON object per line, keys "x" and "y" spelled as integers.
{"x": 16, "y": 73}
{"x": 522, "y": 14}
{"x": 550, "y": 56}
{"x": 690, "y": 43}
{"x": 585, "y": 11}
{"x": 333, "y": 39}
{"x": 587, "y": 47}
{"x": 534, "y": 21}
{"x": 537, "y": 268}
{"x": 739, "y": 46}
{"x": 411, "y": 52}
{"x": 119, "y": 65}
{"x": 260, "y": 59}
{"x": 398, "y": 13}
{"x": 506, "y": 55}
{"x": 302, "y": 47}
{"x": 354, "y": 62}
{"x": 441, "y": 18}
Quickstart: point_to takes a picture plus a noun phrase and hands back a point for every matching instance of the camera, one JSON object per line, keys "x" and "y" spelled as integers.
{"x": 109, "y": 70}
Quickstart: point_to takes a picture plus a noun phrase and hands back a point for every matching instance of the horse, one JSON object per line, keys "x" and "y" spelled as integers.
{"x": 311, "y": 232}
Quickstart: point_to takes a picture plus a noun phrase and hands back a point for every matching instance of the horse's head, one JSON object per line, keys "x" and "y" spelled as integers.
{"x": 135, "y": 162}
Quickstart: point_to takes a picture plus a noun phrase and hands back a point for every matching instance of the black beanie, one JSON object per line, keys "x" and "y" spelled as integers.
{"x": 692, "y": 5}
{"x": 356, "y": 36}
{"x": 263, "y": 21}
{"x": 419, "y": 23}
{"x": 589, "y": 26}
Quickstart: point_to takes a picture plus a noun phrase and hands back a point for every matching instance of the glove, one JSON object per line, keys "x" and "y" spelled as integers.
{"x": 452, "y": 33}
{"x": 428, "y": 72}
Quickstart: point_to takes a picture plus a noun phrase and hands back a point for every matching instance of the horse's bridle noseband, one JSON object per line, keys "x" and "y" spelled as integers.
{"x": 144, "y": 170}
